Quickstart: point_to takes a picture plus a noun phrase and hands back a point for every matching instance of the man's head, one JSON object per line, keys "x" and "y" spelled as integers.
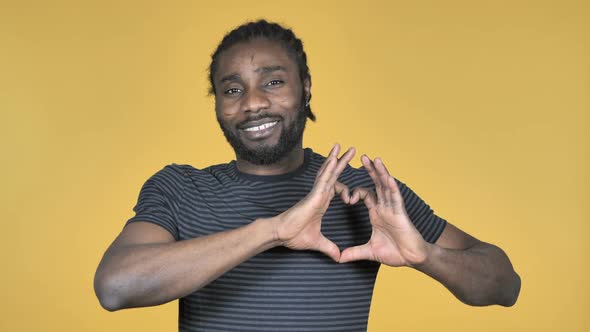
{"x": 259, "y": 77}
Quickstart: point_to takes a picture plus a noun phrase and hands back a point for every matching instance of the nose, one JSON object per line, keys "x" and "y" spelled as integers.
{"x": 254, "y": 101}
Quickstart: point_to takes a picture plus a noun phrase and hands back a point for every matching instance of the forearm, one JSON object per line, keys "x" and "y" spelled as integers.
{"x": 480, "y": 275}
{"x": 152, "y": 274}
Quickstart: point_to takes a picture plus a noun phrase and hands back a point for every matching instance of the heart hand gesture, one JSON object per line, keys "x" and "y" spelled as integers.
{"x": 395, "y": 241}
{"x": 299, "y": 227}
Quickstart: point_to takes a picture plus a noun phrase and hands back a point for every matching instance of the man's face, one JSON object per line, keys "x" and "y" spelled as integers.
{"x": 259, "y": 101}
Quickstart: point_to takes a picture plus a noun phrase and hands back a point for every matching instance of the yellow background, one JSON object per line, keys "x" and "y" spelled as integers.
{"x": 481, "y": 107}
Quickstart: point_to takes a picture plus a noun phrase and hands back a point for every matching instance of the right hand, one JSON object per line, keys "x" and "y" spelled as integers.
{"x": 299, "y": 227}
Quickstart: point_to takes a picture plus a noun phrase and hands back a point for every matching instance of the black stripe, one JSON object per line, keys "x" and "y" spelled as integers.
{"x": 279, "y": 289}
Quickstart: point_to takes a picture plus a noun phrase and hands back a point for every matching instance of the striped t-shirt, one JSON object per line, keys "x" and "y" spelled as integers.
{"x": 279, "y": 289}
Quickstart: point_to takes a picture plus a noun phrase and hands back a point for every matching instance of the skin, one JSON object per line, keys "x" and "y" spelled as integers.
{"x": 250, "y": 83}
{"x": 145, "y": 266}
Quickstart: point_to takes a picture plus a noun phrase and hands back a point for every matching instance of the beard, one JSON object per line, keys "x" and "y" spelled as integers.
{"x": 268, "y": 154}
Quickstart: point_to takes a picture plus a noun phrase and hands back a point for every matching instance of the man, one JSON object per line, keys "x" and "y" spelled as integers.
{"x": 282, "y": 238}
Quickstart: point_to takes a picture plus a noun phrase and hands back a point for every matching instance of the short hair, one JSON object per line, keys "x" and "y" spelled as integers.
{"x": 273, "y": 32}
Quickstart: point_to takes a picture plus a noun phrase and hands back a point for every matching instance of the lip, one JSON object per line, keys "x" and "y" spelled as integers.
{"x": 257, "y": 123}
{"x": 260, "y": 134}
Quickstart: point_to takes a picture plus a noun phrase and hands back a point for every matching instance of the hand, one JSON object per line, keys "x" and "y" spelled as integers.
{"x": 299, "y": 227}
{"x": 395, "y": 241}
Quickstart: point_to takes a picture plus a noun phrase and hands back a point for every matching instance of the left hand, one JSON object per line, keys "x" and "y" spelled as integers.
{"x": 395, "y": 241}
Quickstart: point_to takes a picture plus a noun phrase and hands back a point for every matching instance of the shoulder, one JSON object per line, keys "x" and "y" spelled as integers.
{"x": 170, "y": 174}
{"x": 186, "y": 177}
{"x": 175, "y": 178}
{"x": 169, "y": 181}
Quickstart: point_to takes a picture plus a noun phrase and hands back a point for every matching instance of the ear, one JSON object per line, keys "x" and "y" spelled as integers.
{"x": 307, "y": 88}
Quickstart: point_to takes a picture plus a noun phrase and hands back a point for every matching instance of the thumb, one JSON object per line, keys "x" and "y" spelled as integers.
{"x": 357, "y": 253}
{"x": 328, "y": 247}
{"x": 342, "y": 190}
{"x": 365, "y": 194}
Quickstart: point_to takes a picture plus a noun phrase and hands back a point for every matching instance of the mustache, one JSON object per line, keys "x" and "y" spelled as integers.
{"x": 260, "y": 117}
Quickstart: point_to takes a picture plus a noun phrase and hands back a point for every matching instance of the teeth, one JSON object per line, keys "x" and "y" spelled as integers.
{"x": 262, "y": 126}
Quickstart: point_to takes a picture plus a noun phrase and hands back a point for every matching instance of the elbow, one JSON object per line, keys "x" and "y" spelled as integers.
{"x": 510, "y": 296}
{"x": 109, "y": 304}
{"x": 507, "y": 284}
{"x": 505, "y": 293}
{"x": 107, "y": 293}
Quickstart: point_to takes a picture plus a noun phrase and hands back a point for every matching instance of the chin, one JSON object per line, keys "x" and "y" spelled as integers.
{"x": 266, "y": 155}
{"x": 268, "y": 151}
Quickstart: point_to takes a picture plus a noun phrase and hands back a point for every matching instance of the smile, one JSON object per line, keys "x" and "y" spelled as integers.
{"x": 262, "y": 126}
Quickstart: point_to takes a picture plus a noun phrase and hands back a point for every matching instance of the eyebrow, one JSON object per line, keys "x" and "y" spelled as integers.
{"x": 230, "y": 78}
{"x": 265, "y": 70}
{"x": 270, "y": 69}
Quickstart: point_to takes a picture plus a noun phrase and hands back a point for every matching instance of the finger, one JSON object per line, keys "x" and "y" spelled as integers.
{"x": 342, "y": 190}
{"x": 383, "y": 176}
{"x": 396, "y": 196}
{"x": 380, "y": 166}
{"x": 357, "y": 253}
{"x": 342, "y": 163}
{"x": 370, "y": 167}
{"x": 382, "y": 171}
{"x": 345, "y": 159}
{"x": 329, "y": 248}
{"x": 393, "y": 195}
{"x": 333, "y": 153}
{"x": 321, "y": 181}
{"x": 367, "y": 195}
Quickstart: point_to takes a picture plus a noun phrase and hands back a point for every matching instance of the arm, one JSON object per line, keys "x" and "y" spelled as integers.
{"x": 477, "y": 273}
{"x": 145, "y": 266}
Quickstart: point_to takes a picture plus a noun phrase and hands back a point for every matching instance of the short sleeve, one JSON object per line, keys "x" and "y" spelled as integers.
{"x": 428, "y": 224}
{"x": 157, "y": 204}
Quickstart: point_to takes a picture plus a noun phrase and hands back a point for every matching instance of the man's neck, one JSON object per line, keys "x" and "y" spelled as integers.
{"x": 288, "y": 164}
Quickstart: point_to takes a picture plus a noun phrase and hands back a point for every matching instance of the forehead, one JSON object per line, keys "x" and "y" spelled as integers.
{"x": 251, "y": 55}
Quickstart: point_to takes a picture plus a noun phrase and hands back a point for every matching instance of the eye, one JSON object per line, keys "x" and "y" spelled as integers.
{"x": 231, "y": 91}
{"x": 274, "y": 82}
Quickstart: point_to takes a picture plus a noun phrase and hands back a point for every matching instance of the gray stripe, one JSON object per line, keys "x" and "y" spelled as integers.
{"x": 279, "y": 289}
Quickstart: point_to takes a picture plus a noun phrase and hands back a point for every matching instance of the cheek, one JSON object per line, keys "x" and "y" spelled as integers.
{"x": 225, "y": 109}
{"x": 286, "y": 103}
{"x": 288, "y": 100}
